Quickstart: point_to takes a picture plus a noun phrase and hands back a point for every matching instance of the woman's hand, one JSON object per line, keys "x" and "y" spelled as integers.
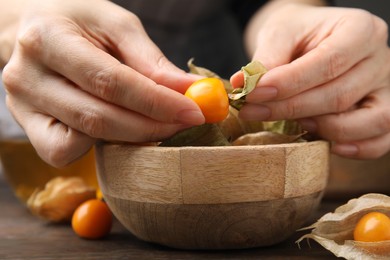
{"x": 85, "y": 70}
{"x": 330, "y": 69}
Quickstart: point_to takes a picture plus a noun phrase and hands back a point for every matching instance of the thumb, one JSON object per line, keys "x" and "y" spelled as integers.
{"x": 274, "y": 50}
{"x": 271, "y": 50}
{"x": 270, "y": 55}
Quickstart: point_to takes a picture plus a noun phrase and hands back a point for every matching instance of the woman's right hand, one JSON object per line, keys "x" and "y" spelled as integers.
{"x": 86, "y": 70}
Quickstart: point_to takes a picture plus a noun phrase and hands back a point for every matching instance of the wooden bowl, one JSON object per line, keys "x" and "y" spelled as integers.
{"x": 213, "y": 197}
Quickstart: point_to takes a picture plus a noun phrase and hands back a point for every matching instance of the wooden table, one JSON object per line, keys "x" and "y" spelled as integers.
{"x": 23, "y": 236}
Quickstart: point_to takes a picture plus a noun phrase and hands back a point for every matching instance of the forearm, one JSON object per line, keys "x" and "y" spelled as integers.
{"x": 261, "y": 15}
{"x": 10, "y": 14}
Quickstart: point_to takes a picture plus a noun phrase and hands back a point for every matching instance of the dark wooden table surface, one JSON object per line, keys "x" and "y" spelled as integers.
{"x": 23, "y": 236}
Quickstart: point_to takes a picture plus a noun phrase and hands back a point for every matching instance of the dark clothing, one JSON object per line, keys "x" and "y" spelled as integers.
{"x": 208, "y": 31}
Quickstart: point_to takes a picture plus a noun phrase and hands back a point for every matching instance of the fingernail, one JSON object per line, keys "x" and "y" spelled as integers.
{"x": 260, "y": 94}
{"x": 190, "y": 117}
{"x": 255, "y": 112}
{"x": 345, "y": 149}
{"x": 308, "y": 124}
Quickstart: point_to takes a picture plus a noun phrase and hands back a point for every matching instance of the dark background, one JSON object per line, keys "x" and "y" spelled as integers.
{"x": 378, "y": 7}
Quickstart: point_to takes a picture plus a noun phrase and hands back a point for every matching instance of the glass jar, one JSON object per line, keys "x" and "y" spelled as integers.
{"x": 23, "y": 169}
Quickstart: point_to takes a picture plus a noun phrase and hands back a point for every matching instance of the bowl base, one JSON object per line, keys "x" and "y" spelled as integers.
{"x": 215, "y": 226}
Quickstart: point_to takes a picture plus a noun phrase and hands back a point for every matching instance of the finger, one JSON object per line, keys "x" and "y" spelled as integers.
{"x": 364, "y": 149}
{"x": 52, "y": 95}
{"x": 332, "y": 57}
{"x": 46, "y": 123}
{"x": 270, "y": 52}
{"x": 129, "y": 41}
{"x": 237, "y": 79}
{"x": 337, "y": 96}
{"x": 98, "y": 73}
{"x": 55, "y": 143}
{"x": 154, "y": 65}
{"x": 98, "y": 118}
{"x": 369, "y": 121}
{"x": 273, "y": 55}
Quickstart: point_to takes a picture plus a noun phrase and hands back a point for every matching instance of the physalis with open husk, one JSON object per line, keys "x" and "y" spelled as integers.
{"x": 233, "y": 130}
{"x": 59, "y": 198}
{"x": 335, "y": 231}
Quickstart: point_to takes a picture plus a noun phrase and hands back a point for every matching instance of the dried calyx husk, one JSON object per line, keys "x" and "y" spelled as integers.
{"x": 204, "y": 135}
{"x": 233, "y": 130}
{"x": 252, "y": 74}
{"x": 267, "y": 137}
{"x": 334, "y": 231}
{"x": 60, "y": 198}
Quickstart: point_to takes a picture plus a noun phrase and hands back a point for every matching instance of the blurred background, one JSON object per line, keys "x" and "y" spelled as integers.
{"x": 374, "y": 6}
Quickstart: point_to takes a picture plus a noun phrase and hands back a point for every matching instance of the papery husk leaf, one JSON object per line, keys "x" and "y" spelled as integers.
{"x": 233, "y": 127}
{"x": 200, "y": 70}
{"x": 60, "y": 198}
{"x": 354, "y": 250}
{"x": 253, "y": 72}
{"x": 334, "y": 231}
{"x": 287, "y": 127}
{"x": 203, "y": 135}
{"x": 266, "y": 137}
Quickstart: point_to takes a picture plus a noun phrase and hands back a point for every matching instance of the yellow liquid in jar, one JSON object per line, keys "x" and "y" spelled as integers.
{"x": 25, "y": 171}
